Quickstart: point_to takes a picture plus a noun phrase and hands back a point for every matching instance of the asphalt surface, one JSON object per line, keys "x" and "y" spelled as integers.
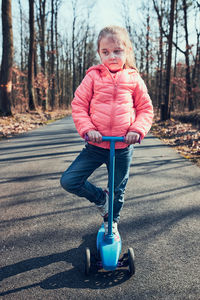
{"x": 44, "y": 230}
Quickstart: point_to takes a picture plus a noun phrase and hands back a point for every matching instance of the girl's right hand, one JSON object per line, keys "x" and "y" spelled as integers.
{"x": 94, "y": 136}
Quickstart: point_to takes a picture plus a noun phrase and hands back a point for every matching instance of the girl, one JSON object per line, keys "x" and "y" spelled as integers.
{"x": 112, "y": 100}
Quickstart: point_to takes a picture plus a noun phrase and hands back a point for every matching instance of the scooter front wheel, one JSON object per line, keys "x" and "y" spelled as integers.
{"x": 87, "y": 261}
{"x": 131, "y": 261}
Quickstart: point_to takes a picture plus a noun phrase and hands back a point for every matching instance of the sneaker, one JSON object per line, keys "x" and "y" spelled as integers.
{"x": 103, "y": 209}
{"x": 114, "y": 230}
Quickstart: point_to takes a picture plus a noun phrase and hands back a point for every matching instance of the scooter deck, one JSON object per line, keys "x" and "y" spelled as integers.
{"x": 109, "y": 250}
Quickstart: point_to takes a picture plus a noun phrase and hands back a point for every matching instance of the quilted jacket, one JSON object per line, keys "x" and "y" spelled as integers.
{"x": 113, "y": 105}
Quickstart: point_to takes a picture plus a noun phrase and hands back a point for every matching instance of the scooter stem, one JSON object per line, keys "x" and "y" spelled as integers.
{"x": 111, "y": 186}
{"x": 112, "y": 141}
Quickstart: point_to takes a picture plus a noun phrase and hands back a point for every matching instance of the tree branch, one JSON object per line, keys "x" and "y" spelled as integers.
{"x": 162, "y": 29}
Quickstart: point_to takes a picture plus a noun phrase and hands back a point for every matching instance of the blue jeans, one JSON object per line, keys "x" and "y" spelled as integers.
{"x": 74, "y": 179}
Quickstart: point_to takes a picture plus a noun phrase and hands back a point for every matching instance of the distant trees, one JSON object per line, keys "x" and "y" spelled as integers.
{"x": 50, "y": 63}
{"x": 157, "y": 50}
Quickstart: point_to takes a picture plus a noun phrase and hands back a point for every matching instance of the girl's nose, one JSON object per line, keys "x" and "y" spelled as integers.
{"x": 112, "y": 55}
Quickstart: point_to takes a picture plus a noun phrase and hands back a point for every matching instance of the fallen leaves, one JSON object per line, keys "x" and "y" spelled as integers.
{"x": 184, "y": 137}
{"x": 20, "y": 123}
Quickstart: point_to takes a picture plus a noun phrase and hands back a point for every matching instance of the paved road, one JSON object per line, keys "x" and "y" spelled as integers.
{"x": 44, "y": 230}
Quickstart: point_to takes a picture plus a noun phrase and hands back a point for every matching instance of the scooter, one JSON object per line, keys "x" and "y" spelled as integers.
{"x": 108, "y": 249}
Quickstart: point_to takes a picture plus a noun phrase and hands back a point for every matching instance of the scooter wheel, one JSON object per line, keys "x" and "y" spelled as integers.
{"x": 87, "y": 261}
{"x": 131, "y": 261}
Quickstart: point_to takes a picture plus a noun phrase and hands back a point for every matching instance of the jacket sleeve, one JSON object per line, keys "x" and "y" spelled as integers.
{"x": 143, "y": 107}
{"x": 81, "y": 106}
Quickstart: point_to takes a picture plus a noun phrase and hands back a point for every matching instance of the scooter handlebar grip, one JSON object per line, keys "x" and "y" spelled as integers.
{"x": 139, "y": 141}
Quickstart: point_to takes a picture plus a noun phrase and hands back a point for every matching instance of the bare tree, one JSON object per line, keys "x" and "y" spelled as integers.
{"x": 68, "y": 73}
{"x": 160, "y": 54}
{"x": 74, "y": 8}
{"x": 31, "y": 92}
{"x": 147, "y": 43}
{"x": 58, "y": 3}
{"x": 187, "y": 60}
{"x": 196, "y": 59}
{"x": 167, "y": 108}
{"x": 7, "y": 60}
{"x": 125, "y": 11}
{"x": 42, "y": 40}
{"x": 52, "y": 65}
{"x": 175, "y": 57}
{"x": 42, "y": 27}
{"x": 21, "y": 34}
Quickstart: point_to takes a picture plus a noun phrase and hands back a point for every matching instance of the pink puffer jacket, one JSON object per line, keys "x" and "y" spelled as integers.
{"x": 112, "y": 105}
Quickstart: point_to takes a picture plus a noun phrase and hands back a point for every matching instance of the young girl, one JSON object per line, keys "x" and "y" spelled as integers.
{"x": 112, "y": 100}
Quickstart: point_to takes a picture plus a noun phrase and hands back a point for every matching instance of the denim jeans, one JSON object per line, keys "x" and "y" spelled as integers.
{"x": 74, "y": 179}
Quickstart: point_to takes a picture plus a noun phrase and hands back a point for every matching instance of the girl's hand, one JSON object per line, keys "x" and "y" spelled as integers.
{"x": 132, "y": 137}
{"x": 94, "y": 136}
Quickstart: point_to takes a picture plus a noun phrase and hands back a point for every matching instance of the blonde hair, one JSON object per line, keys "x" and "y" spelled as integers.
{"x": 123, "y": 35}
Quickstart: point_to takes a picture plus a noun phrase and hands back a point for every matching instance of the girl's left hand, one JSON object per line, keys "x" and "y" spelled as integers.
{"x": 132, "y": 137}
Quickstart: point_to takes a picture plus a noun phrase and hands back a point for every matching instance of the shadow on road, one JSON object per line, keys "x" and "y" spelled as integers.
{"x": 71, "y": 278}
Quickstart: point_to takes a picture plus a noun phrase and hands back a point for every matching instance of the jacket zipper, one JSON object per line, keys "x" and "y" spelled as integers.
{"x": 112, "y": 108}
{"x": 115, "y": 83}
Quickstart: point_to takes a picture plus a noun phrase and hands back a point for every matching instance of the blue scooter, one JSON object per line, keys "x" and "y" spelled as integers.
{"x": 108, "y": 249}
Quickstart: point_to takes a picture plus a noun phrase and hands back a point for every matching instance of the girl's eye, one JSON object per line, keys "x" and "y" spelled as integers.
{"x": 118, "y": 51}
{"x": 105, "y": 52}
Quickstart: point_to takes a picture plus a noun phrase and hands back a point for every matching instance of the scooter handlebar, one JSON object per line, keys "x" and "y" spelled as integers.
{"x": 111, "y": 138}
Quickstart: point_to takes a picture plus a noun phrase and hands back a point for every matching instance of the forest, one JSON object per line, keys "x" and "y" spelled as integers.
{"x": 48, "y": 64}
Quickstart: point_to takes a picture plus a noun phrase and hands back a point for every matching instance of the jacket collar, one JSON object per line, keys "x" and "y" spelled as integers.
{"x": 105, "y": 71}
{"x": 101, "y": 68}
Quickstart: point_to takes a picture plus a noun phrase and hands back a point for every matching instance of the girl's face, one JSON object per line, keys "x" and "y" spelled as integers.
{"x": 112, "y": 52}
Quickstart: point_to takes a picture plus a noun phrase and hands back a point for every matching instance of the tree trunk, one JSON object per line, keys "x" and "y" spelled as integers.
{"x": 167, "y": 107}
{"x": 52, "y": 57}
{"x": 147, "y": 46}
{"x": 7, "y": 60}
{"x": 196, "y": 72}
{"x": 73, "y": 55}
{"x": 42, "y": 26}
{"x": 85, "y": 50}
{"x": 175, "y": 58}
{"x": 31, "y": 91}
{"x": 58, "y": 97}
{"x": 160, "y": 88}
{"x": 42, "y": 9}
{"x": 187, "y": 60}
{"x": 21, "y": 34}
